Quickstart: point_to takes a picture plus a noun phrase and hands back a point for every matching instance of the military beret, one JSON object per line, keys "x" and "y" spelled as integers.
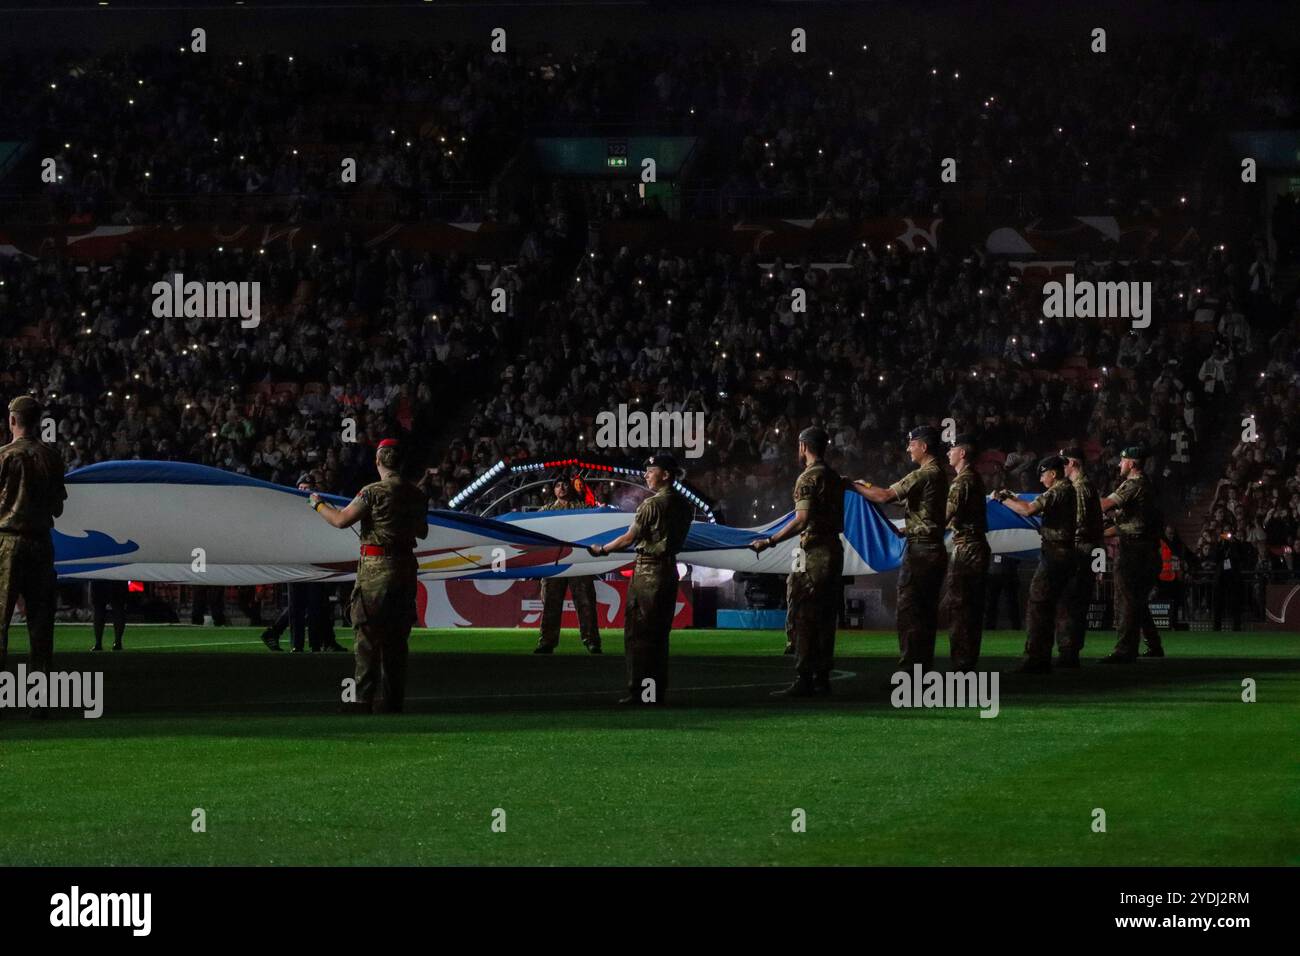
{"x": 814, "y": 435}
{"x": 1073, "y": 451}
{"x": 389, "y": 443}
{"x": 966, "y": 438}
{"x": 1051, "y": 463}
{"x": 305, "y": 479}
{"x": 1136, "y": 452}
{"x": 663, "y": 460}
{"x": 24, "y": 403}
{"x": 926, "y": 433}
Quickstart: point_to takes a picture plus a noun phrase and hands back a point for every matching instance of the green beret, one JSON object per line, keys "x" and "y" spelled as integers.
{"x": 1136, "y": 452}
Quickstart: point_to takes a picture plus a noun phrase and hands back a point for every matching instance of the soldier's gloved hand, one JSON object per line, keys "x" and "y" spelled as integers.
{"x": 596, "y": 550}
{"x": 759, "y": 545}
{"x": 1002, "y": 494}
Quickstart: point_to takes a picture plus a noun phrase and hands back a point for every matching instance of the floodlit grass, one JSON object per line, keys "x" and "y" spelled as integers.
{"x": 205, "y": 717}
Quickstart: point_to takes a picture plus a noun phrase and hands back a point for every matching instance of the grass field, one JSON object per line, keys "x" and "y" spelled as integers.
{"x": 201, "y": 717}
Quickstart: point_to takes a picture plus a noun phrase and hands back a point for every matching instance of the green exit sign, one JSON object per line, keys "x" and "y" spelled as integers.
{"x": 616, "y": 161}
{"x": 616, "y": 154}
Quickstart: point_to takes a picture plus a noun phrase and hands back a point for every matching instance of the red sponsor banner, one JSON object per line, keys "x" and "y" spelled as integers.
{"x": 479, "y": 239}
{"x": 518, "y": 603}
{"x": 783, "y": 237}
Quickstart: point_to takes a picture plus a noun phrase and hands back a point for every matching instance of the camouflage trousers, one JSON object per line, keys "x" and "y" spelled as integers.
{"x": 1136, "y": 571}
{"x": 964, "y": 602}
{"x": 584, "y": 603}
{"x": 647, "y": 622}
{"x": 383, "y": 612}
{"x": 920, "y": 583}
{"x": 27, "y": 571}
{"x": 1056, "y": 569}
{"x": 1072, "y": 631}
{"x": 815, "y": 597}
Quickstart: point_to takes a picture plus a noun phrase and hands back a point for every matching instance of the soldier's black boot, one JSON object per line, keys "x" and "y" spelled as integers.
{"x": 544, "y": 649}
{"x": 802, "y": 687}
{"x": 1032, "y": 665}
{"x": 789, "y": 647}
{"x": 822, "y": 683}
{"x": 271, "y": 641}
{"x": 1068, "y": 658}
{"x": 117, "y": 645}
{"x": 1118, "y": 659}
{"x": 1154, "y": 652}
{"x": 97, "y": 646}
{"x": 593, "y": 647}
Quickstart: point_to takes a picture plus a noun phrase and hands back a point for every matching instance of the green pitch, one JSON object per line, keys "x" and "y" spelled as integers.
{"x": 206, "y": 718}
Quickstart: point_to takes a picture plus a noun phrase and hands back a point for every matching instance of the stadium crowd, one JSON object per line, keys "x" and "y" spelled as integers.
{"x": 891, "y": 337}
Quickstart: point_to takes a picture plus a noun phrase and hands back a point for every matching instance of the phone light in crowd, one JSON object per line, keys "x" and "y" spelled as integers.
{"x": 54, "y": 86}
{"x": 956, "y": 76}
{"x": 94, "y": 155}
{"x": 1132, "y": 126}
{"x": 1182, "y": 200}
{"x": 130, "y": 102}
{"x": 934, "y": 72}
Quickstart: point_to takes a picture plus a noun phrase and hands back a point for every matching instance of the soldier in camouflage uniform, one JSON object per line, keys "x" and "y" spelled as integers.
{"x": 816, "y": 584}
{"x": 583, "y": 589}
{"x": 1056, "y": 563}
{"x": 969, "y": 561}
{"x": 1138, "y": 526}
{"x": 1088, "y": 532}
{"x": 659, "y": 530}
{"x": 392, "y": 512}
{"x": 31, "y": 497}
{"x": 923, "y": 493}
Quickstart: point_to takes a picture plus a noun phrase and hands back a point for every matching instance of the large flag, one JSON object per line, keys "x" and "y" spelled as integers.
{"x": 169, "y": 521}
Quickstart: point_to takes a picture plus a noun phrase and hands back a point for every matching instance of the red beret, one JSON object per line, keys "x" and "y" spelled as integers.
{"x": 388, "y": 442}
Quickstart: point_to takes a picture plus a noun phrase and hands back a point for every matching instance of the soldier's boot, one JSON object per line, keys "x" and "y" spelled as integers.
{"x": 789, "y": 647}
{"x": 97, "y": 646}
{"x": 270, "y": 640}
{"x": 802, "y": 687}
{"x": 1156, "y": 651}
{"x": 117, "y": 645}
{"x": 822, "y": 683}
{"x": 1118, "y": 658}
{"x": 1154, "y": 646}
{"x": 544, "y": 649}
{"x": 593, "y": 647}
{"x": 1067, "y": 657}
{"x": 1033, "y": 665}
